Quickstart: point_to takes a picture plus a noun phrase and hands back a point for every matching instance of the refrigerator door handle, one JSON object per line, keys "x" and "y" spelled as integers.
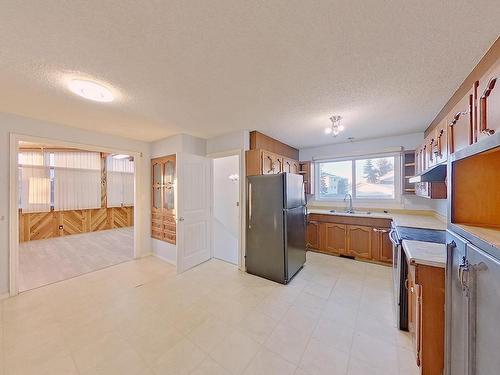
{"x": 249, "y": 205}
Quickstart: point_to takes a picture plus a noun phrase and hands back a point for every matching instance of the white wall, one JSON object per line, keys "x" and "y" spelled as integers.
{"x": 226, "y": 223}
{"x": 10, "y": 123}
{"x": 239, "y": 140}
{"x": 370, "y": 146}
{"x": 179, "y": 143}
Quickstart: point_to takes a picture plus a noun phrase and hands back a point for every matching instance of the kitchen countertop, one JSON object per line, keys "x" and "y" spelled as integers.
{"x": 426, "y": 253}
{"x": 403, "y": 218}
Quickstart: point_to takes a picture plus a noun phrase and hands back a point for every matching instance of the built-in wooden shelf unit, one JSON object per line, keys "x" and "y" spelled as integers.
{"x": 476, "y": 195}
{"x": 163, "y": 225}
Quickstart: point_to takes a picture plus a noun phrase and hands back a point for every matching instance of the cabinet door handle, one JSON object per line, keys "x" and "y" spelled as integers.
{"x": 484, "y": 107}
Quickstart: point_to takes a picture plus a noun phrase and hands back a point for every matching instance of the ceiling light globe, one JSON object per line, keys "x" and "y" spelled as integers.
{"x": 91, "y": 90}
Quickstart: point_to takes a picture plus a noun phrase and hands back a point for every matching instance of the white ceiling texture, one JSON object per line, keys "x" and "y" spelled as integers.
{"x": 210, "y": 67}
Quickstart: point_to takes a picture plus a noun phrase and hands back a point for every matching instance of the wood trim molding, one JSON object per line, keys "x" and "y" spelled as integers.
{"x": 488, "y": 60}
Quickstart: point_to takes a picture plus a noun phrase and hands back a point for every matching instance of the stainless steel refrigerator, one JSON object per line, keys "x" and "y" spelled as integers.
{"x": 276, "y": 226}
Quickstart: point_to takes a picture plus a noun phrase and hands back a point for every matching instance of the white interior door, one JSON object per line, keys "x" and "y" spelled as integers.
{"x": 194, "y": 198}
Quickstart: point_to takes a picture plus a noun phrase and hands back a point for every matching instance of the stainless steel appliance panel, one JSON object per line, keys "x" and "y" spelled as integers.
{"x": 265, "y": 247}
{"x": 484, "y": 325}
{"x": 457, "y": 305}
{"x": 294, "y": 190}
{"x": 295, "y": 221}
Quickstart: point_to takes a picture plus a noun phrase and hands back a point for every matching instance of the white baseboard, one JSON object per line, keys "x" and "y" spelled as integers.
{"x": 169, "y": 261}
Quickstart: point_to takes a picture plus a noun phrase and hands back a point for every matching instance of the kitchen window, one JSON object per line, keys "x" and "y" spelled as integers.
{"x": 366, "y": 178}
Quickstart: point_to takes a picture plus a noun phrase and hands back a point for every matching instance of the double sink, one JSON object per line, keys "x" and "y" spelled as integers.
{"x": 350, "y": 212}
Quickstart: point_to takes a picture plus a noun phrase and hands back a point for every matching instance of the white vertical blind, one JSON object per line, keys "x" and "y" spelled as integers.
{"x": 120, "y": 182}
{"x": 77, "y": 180}
{"x": 34, "y": 182}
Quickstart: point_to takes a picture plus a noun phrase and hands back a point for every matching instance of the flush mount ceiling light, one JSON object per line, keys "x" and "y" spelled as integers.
{"x": 335, "y": 128}
{"x": 90, "y": 90}
{"x": 120, "y": 156}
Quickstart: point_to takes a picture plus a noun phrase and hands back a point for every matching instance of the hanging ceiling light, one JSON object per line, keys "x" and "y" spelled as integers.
{"x": 335, "y": 128}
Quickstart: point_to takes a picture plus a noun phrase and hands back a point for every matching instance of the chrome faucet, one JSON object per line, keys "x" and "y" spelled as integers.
{"x": 349, "y": 210}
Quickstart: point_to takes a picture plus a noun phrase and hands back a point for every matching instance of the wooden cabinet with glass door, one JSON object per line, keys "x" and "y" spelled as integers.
{"x": 163, "y": 225}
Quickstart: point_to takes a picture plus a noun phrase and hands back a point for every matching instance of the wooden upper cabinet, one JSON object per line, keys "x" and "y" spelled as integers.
{"x": 334, "y": 238}
{"x": 291, "y": 166}
{"x": 271, "y": 163}
{"x": 440, "y": 150}
{"x": 430, "y": 143}
{"x": 488, "y": 102}
{"x": 268, "y": 162}
{"x": 460, "y": 133}
{"x": 359, "y": 241}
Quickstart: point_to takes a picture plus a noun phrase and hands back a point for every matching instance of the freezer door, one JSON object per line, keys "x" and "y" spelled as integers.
{"x": 484, "y": 325}
{"x": 265, "y": 249}
{"x": 456, "y": 308}
{"x": 294, "y": 190}
{"x": 295, "y": 240}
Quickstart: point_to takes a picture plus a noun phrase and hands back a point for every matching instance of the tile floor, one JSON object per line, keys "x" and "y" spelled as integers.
{"x": 140, "y": 318}
{"x": 44, "y": 262}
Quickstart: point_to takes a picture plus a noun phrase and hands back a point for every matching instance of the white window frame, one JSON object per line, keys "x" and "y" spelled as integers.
{"x": 397, "y": 178}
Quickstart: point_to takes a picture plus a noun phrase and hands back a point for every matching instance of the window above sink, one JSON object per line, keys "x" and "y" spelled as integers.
{"x": 367, "y": 178}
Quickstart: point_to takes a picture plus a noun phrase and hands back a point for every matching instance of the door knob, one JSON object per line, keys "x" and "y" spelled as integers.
{"x": 180, "y": 219}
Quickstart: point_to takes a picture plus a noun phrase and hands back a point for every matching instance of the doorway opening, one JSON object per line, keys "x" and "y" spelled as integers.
{"x": 226, "y": 208}
{"x": 75, "y": 211}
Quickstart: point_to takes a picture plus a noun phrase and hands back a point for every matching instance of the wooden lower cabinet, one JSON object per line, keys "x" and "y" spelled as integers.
{"x": 341, "y": 235}
{"x": 382, "y": 245}
{"x": 359, "y": 241}
{"x": 426, "y": 316}
{"x": 334, "y": 238}
{"x": 313, "y": 235}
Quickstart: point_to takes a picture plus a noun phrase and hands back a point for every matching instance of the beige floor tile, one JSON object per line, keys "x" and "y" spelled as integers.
{"x": 210, "y": 333}
{"x": 334, "y": 333}
{"x": 127, "y": 362}
{"x": 210, "y": 367}
{"x": 99, "y": 351}
{"x": 375, "y": 351}
{"x": 182, "y": 358}
{"x": 288, "y": 343}
{"x": 267, "y": 362}
{"x": 358, "y": 367}
{"x": 258, "y": 326}
{"x": 235, "y": 352}
{"x": 301, "y": 318}
{"x": 321, "y": 359}
{"x": 140, "y": 316}
{"x": 151, "y": 345}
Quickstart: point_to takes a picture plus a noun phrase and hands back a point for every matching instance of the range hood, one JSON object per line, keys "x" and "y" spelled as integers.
{"x": 436, "y": 173}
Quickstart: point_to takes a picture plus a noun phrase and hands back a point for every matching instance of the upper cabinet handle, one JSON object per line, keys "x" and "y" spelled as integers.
{"x": 484, "y": 107}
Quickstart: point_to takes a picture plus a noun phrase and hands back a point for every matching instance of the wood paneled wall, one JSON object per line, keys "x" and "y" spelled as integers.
{"x": 41, "y": 225}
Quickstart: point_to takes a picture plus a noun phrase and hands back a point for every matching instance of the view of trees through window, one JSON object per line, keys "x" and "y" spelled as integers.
{"x": 371, "y": 178}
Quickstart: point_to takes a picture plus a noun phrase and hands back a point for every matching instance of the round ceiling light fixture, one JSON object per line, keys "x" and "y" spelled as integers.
{"x": 90, "y": 90}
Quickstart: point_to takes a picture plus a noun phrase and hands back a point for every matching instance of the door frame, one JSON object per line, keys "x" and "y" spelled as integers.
{"x": 242, "y": 200}
{"x": 14, "y": 196}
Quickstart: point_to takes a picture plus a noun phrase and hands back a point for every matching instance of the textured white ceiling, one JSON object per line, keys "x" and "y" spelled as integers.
{"x": 209, "y": 67}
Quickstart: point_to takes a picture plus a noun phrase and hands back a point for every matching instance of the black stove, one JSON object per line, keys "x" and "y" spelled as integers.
{"x": 421, "y": 234}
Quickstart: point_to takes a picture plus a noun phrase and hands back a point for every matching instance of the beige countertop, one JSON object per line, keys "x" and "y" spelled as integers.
{"x": 426, "y": 253}
{"x": 404, "y": 218}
